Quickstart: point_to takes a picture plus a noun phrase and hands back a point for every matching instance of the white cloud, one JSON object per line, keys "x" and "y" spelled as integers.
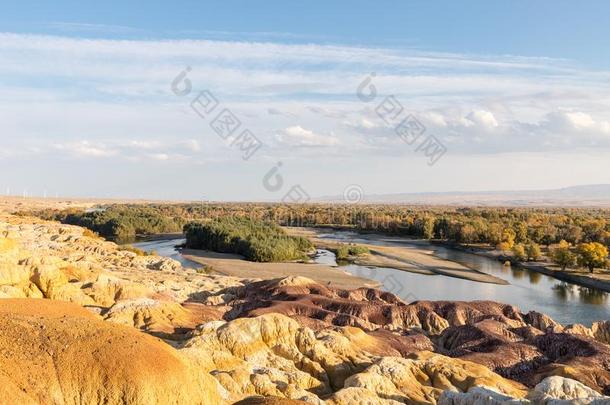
{"x": 566, "y": 120}
{"x": 575, "y": 122}
{"x": 109, "y": 103}
{"x": 132, "y": 150}
{"x": 116, "y": 95}
{"x": 84, "y": 149}
{"x": 434, "y": 118}
{"x": 581, "y": 120}
{"x": 483, "y": 119}
{"x": 159, "y": 156}
{"x": 140, "y": 144}
{"x": 299, "y": 136}
{"x": 191, "y": 145}
{"x": 366, "y": 125}
{"x": 123, "y": 68}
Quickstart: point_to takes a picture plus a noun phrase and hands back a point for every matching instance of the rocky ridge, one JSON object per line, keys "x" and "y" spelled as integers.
{"x": 78, "y": 314}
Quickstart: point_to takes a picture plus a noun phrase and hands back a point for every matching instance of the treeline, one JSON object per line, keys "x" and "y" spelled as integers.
{"x": 589, "y": 255}
{"x": 119, "y": 223}
{"x": 493, "y": 226}
{"x": 256, "y": 240}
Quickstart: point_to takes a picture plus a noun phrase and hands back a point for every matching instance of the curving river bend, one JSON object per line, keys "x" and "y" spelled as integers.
{"x": 565, "y": 302}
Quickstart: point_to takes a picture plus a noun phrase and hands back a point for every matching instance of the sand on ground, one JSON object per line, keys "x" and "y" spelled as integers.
{"x": 412, "y": 259}
{"x": 235, "y": 265}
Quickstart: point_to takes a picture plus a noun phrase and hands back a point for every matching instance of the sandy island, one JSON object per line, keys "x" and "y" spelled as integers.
{"x": 235, "y": 265}
{"x": 414, "y": 260}
{"x": 411, "y": 259}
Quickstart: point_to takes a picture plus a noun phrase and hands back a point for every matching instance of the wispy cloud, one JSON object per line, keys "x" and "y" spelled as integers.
{"x": 132, "y": 150}
{"x": 292, "y": 96}
{"x": 80, "y": 27}
{"x": 299, "y": 136}
{"x": 86, "y": 149}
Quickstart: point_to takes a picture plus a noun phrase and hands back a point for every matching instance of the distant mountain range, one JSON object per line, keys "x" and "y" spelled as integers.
{"x": 596, "y": 195}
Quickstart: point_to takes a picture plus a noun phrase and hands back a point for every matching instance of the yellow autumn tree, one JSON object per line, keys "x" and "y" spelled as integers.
{"x": 592, "y": 255}
{"x": 562, "y": 255}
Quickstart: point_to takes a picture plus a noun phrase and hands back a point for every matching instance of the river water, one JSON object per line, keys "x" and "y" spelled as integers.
{"x": 167, "y": 248}
{"x": 564, "y": 302}
{"x": 528, "y": 290}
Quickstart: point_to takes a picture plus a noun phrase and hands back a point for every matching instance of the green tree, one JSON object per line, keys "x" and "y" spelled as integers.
{"x": 428, "y": 227}
{"x": 550, "y": 235}
{"x": 468, "y": 234}
{"x": 519, "y": 252}
{"x": 442, "y": 228}
{"x": 508, "y": 239}
{"x": 494, "y": 233}
{"x": 520, "y": 232}
{"x": 532, "y": 251}
{"x": 256, "y": 240}
{"x": 573, "y": 234}
{"x": 607, "y": 238}
{"x": 562, "y": 256}
{"x": 592, "y": 255}
{"x": 593, "y": 230}
{"x": 536, "y": 234}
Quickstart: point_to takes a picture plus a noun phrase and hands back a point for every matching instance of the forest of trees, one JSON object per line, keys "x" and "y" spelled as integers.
{"x": 544, "y": 226}
{"x": 518, "y": 230}
{"x": 256, "y": 240}
{"x": 119, "y": 223}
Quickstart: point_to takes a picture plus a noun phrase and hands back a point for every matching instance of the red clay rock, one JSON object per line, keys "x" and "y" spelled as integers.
{"x": 523, "y": 347}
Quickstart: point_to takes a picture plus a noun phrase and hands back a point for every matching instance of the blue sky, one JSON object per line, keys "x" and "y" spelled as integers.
{"x": 517, "y": 93}
{"x": 559, "y": 29}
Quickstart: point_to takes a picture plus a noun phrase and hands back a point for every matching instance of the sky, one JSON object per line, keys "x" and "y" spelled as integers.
{"x": 245, "y": 100}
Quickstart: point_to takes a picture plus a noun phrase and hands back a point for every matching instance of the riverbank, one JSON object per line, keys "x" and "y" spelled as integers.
{"x": 599, "y": 281}
{"x": 236, "y": 266}
{"x": 529, "y": 290}
{"x": 411, "y": 259}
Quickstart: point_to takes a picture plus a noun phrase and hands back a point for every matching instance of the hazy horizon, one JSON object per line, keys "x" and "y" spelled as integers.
{"x": 525, "y": 197}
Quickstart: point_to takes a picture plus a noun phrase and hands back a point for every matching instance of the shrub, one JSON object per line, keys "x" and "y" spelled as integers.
{"x": 357, "y": 250}
{"x": 343, "y": 252}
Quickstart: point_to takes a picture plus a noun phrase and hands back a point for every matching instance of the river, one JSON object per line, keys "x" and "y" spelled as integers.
{"x": 564, "y": 302}
{"x": 167, "y": 248}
